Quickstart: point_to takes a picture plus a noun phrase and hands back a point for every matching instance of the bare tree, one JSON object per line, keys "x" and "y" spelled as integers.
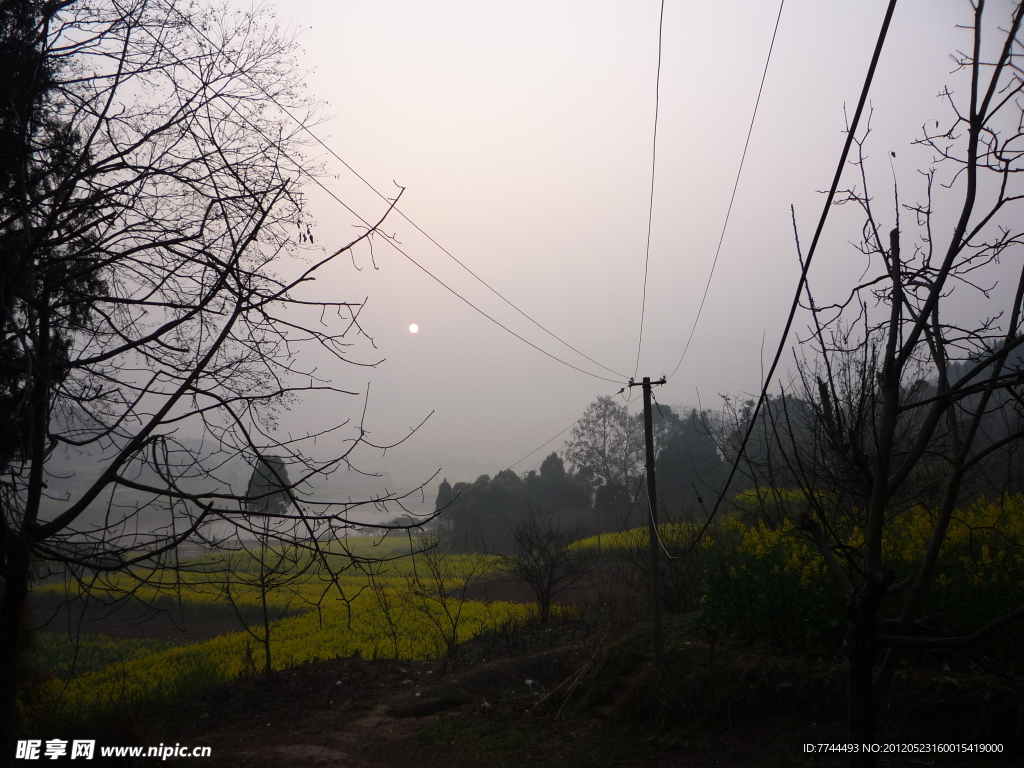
{"x": 543, "y": 557}
{"x": 271, "y": 568}
{"x": 609, "y": 442}
{"x": 439, "y": 585}
{"x": 608, "y": 445}
{"x": 154, "y": 290}
{"x": 911, "y": 383}
{"x": 267, "y": 561}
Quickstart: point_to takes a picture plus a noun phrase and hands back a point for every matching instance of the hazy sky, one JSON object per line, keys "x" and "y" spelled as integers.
{"x": 522, "y": 132}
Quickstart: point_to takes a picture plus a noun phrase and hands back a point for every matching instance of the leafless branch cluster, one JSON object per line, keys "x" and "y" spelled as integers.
{"x": 908, "y": 387}
{"x": 157, "y": 321}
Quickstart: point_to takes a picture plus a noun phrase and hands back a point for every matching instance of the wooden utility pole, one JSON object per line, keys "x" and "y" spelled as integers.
{"x": 652, "y": 519}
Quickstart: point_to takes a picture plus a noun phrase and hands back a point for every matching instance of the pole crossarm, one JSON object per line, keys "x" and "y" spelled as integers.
{"x": 646, "y": 382}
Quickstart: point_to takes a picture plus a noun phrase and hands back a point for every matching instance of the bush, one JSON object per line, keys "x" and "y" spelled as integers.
{"x": 771, "y": 587}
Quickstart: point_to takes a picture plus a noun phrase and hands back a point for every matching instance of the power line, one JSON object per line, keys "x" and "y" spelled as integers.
{"x": 447, "y": 252}
{"x": 391, "y": 241}
{"x": 732, "y": 197}
{"x": 302, "y": 124}
{"x": 851, "y": 131}
{"x": 550, "y": 440}
{"x": 451, "y": 290}
{"x": 650, "y": 208}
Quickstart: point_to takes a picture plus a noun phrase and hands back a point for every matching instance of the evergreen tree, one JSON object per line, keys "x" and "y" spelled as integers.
{"x": 688, "y": 463}
{"x": 444, "y": 495}
{"x": 270, "y": 490}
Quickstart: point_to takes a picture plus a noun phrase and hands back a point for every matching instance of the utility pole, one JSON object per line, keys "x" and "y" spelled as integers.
{"x": 652, "y": 519}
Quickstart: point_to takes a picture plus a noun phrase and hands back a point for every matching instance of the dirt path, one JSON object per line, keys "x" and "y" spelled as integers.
{"x": 479, "y": 711}
{"x": 354, "y": 712}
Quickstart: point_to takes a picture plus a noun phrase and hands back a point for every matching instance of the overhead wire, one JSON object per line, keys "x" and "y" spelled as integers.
{"x": 654, "y": 165}
{"x": 444, "y": 250}
{"x": 850, "y": 134}
{"x": 546, "y": 442}
{"x": 735, "y": 187}
{"x": 657, "y": 533}
{"x": 458, "y": 295}
{"x": 391, "y": 240}
{"x": 302, "y": 124}
{"x": 551, "y": 439}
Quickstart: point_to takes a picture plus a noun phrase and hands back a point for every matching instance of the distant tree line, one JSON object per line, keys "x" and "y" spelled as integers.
{"x": 602, "y": 490}
{"x": 482, "y": 514}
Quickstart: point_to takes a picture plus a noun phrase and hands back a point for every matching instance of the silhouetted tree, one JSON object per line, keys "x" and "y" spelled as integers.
{"x": 899, "y": 381}
{"x": 482, "y": 514}
{"x": 608, "y": 442}
{"x": 543, "y": 557}
{"x": 444, "y": 495}
{"x": 150, "y": 199}
{"x": 688, "y": 462}
{"x": 270, "y": 491}
{"x": 555, "y": 490}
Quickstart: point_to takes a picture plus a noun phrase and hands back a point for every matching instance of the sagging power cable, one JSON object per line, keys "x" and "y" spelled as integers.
{"x": 391, "y": 202}
{"x": 302, "y": 124}
{"x": 732, "y": 197}
{"x": 650, "y": 204}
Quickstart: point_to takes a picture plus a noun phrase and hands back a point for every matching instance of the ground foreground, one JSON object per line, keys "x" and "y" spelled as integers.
{"x": 568, "y": 695}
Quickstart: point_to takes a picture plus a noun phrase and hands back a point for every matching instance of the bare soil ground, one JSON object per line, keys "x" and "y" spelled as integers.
{"x": 479, "y": 711}
{"x": 592, "y": 701}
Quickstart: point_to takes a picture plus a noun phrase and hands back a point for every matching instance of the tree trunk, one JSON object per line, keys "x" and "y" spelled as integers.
{"x": 12, "y": 606}
{"x": 861, "y": 653}
{"x": 267, "y": 667}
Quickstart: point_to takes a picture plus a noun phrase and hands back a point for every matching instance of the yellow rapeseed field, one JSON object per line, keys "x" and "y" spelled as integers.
{"x": 772, "y": 585}
{"x": 407, "y": 608}
{"x": 334, "y": 631}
